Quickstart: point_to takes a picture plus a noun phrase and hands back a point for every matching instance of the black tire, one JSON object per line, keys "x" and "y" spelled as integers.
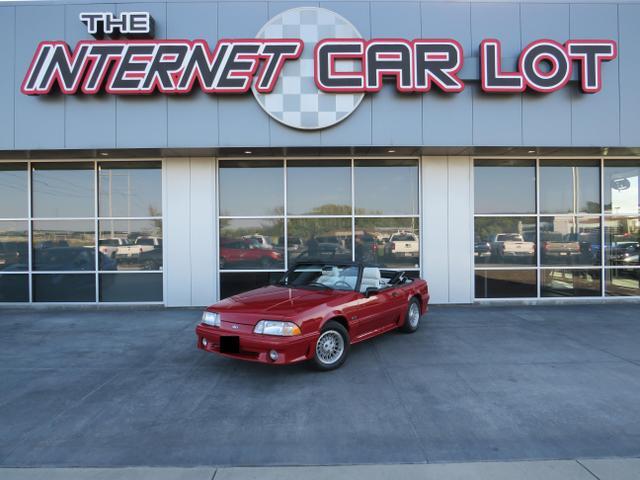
{"x": 410, "y": 325}
{"x": 331, "y": 328}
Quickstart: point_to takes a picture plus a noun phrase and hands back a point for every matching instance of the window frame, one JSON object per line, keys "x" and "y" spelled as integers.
{"x": 285, "y": 216}
{"x": 602, "y": 215}
{"x": 96, "y": 272}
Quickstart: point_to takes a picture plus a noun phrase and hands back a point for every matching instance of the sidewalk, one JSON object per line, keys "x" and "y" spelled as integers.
{"x": 604, "y": 469}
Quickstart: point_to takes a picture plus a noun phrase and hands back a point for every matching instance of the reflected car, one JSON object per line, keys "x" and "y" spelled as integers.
{"x": 322, "y": 252}
{"x": 243, "y": 252}
{"x": 482, "y": 251}
{"x": 403, "y": 244}
{"x": 13, "y": 253}
{"x": 70, "y": 259}
{"x": 314, "y": 313}
{"x": 559, "y": 248}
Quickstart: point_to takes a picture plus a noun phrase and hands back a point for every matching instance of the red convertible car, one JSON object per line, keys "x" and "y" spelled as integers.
{"x": 315, "y": 312}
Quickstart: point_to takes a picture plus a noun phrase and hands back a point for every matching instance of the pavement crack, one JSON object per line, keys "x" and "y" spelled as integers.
{"x": 589, "y": 471}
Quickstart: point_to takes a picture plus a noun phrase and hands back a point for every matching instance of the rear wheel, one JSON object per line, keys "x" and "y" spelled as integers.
{"x": 332, "y": 347}
{"x": 412, "y": 320}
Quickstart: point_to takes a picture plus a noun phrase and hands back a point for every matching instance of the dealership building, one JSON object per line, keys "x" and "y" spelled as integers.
{"x": 180, "y": 152}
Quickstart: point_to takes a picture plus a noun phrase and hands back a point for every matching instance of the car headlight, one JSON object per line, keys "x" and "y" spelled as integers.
{"x": 274, "y": 327}
{"x": 211, "y": 318}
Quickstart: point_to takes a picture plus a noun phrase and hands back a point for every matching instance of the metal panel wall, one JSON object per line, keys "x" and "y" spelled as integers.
{"x": 7, "y": 58}
{"x": 564, "y": 118}
{"x": 90, "y": 120}
{"x": 447, "y": 228}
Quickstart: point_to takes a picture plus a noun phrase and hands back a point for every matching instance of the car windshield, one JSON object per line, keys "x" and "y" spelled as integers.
{"x": 334, "y": 277}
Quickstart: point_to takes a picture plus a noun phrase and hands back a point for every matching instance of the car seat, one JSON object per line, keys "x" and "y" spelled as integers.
{"x": 370, "y": 278}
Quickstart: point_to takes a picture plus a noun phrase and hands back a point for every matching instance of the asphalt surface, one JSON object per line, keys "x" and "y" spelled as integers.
{"x": 129, "y": 388}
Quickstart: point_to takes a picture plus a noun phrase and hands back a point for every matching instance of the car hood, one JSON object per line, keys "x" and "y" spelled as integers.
{"x": 274, "y": 300}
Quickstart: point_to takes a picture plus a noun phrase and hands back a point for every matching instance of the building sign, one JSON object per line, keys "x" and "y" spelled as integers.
{"x": 308, "y": 67}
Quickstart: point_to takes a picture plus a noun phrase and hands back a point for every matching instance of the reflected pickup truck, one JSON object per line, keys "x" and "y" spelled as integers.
{"x": 142, "y": 244}
{"x": 511, "y": 245}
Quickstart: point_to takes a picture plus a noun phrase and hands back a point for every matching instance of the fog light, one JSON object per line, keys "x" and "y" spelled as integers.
{"x": 273, "y": 355}
{"x": 204, "y": 342}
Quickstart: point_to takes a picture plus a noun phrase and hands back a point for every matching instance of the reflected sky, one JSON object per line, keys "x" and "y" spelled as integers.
{"x": 558, "y": 192}
{"x": 505, "y": 188}
{"x": 63, "y": 190}
{"x": 130, "y": 189}
{"x": 13, "y": 190}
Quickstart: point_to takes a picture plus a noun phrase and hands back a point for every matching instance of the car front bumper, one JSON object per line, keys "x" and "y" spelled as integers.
{"x": 256, "y": 348}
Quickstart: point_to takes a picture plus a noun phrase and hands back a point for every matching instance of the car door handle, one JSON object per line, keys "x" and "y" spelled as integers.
{"x": 395, "y": 294}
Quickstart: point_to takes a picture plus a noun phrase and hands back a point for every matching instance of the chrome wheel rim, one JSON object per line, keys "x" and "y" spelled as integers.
{"x": 414, "y": 315}
{"x": 330, "y": 347}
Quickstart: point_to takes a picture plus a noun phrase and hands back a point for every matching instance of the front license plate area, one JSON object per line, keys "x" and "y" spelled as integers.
{"x": 230, "y": 344}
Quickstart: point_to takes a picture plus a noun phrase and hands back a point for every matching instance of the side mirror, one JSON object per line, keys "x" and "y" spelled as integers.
{"x": 371, "y": 291}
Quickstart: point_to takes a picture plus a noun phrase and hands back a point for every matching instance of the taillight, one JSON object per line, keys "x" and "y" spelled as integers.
{"x": 393, "y": 246}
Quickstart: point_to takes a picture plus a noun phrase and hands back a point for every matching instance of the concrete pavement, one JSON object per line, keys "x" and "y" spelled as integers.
{"x": 603, "y": 469}
{"x": 122, "y": 388}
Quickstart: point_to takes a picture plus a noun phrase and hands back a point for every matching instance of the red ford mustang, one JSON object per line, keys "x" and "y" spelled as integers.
{"x": 315, "y": 312}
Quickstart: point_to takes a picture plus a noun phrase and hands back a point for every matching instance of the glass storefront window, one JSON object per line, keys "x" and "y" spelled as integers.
{"x": 503, "y": 241}
{"x": 570, "y": 283}
{"x": 130, "y": 189}
{"x": 251, "y": 244}
{"x": 64, "y": 287}
{"x": 621, "y": 187}
{"x": 569, "y": 186}
{"x": 386, "y": 187}
{"x": 63, "y": 245}
{"x": 568, "y": 240}
{"x": 505, "y": 186}
{"x": 130, "y": 244}
{"x": 622, "y": 282}
{"x": 319, "y": 239}
{"x": 14, "y": 288}
{"x": 622, "y": 241}
{"x": 251, "y": 187}
{"x": 505, "y": 283}
{"x": 63, "y": 189}
{"x": 13, "y": 190}
{"x": 233, "y": 283}
{"x": 131, "y": 287}
{"x": 330, "y": 182}
{"x": 392, "y": 242}
{"x": 14, "y": 246}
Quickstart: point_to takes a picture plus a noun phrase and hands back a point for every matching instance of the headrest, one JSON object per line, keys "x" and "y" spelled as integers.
{"x": 371, "y": 273}
{"x": 330, "y": 272}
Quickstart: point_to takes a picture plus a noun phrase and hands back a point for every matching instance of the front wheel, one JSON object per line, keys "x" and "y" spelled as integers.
{"x": 412, "y": 320}
{"x": 332, "y": 347}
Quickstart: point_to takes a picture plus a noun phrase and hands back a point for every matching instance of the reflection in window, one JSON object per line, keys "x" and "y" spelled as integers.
{"x": 130, "y": 244}
{"x": 505, "y": 240}
{"x": 63, "y": 245}
{"x": 570, "y": 283}
{"x": 505, "y": 186}
{"x": 324, "y": 239}
{"x": 569, "y": 186}
{"x": 64, "y": 287}
{"x": 622, "y": 240}
{"x": 251, "y": 244}
{"x": 13, "y": 190}
{"x": 130, "y": 189}
{"x": 63, "y": 189}
{"x": 251, "y": 187}
{"x": 388, "y": 242}
{"x": 622, "y": 282}
{"x": 621, "y": 187}
{"x": 505, "y": 283}
{"x": 14, "y": 246}
{"x": 567, "y": 240}
{"x": 14, "y": 288}
{"x": 386, "y": 187}
{"x": 131, "y": 287}
{"x": 321, "y": 187}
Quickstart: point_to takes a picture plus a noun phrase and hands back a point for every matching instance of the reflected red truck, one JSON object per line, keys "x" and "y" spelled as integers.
{"x": 315, "y": 313}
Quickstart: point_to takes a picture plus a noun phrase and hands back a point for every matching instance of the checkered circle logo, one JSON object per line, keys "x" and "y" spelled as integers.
{"x": 296, "y": 100}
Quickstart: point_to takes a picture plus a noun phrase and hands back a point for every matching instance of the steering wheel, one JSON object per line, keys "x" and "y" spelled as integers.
{"x": 339, "y": 282}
